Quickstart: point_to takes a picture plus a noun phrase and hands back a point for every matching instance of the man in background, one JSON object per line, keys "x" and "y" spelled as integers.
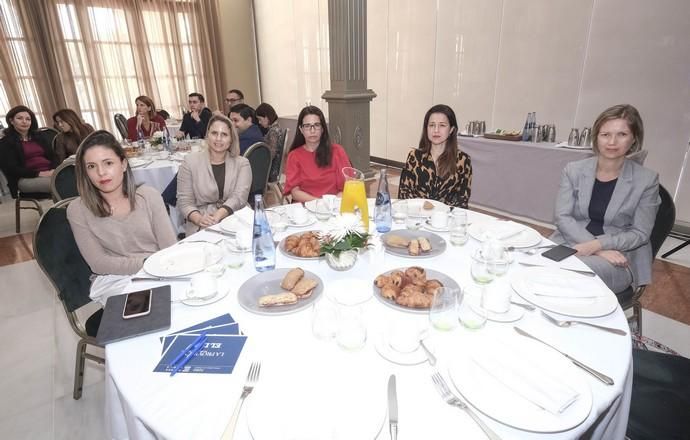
{"x": 233, "y": 97}
{"x": 195, "y": 121}
{"x": 243, "y": 118}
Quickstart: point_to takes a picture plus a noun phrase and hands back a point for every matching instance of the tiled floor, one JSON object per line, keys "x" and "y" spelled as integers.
{"x": 39, "y": 346}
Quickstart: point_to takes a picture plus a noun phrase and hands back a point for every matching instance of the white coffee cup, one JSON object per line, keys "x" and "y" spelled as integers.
{"x": 496, "y": 299}
{"x": 203, "y": 285}
{"x": 439, "y": 219}
{"x": 330, "y": 201}
{"x": 403, "y": 337}
{"x": 298, "y": 215}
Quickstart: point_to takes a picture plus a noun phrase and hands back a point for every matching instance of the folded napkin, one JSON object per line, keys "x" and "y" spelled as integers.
{"x": 245, "y": 216}
{"x": 527, "y": 379}
{"x": 503, "y": 229}
{"x": 553, "y": 285}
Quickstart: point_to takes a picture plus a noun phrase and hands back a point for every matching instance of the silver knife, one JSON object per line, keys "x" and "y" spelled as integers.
{"x": 216, "y": 231}
{"x": 602, "y": 377}
{"x": 392, "y": 408}
{"x": 160, "y": 279}
{"x": 581, "y": 272}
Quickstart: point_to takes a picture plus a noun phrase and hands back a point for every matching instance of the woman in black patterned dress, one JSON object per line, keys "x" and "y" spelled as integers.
{"x": 438, "y": 170}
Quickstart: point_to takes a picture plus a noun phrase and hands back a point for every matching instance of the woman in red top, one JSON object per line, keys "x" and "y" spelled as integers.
{"x": 146, "y": 119}
{"x": 314, "y": 164}
{"x": 26, "y": 154}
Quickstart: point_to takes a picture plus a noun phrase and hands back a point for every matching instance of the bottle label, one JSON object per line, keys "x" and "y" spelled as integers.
{"x": 382, "y": 198}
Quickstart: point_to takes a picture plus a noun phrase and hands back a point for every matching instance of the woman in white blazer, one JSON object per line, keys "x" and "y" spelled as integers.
{"x": 213, "y": 184}
{"x": 607, "y": 204}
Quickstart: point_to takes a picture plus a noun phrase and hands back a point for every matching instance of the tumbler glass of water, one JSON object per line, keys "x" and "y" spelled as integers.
{"x": 482, "y": 268}
{"x": 443, "y": 313}
{"x": 458, "y": 227}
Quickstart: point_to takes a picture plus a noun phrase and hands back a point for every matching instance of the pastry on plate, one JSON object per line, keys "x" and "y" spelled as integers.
{"x": 278, "y": 299}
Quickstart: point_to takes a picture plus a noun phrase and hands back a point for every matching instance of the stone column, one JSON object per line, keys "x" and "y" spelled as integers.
{"x": 348, "y": 100}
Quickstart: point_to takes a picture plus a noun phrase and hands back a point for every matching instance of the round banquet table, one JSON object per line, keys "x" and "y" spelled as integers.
{"x": 141, "y": 404}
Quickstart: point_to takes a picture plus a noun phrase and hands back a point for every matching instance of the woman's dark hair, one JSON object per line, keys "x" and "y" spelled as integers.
{"x": 323, "y": 151}
{"x": 10, "y": 131}
{"x": 163, "y": 114}
{"x": 447, "y": 162}
{"x": 90, "y": 195}
{"x": 149, "y": 102}
{"x": 267, "y": 111}
{"x": 78, "y": 129}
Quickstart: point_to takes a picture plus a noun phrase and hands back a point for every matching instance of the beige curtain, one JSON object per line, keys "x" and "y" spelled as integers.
{"x": 97, "y": 56}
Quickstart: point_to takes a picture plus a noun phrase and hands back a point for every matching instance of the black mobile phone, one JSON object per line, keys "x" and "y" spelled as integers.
{"x": 137, "y": 304}
{"x": 559, "y": 253}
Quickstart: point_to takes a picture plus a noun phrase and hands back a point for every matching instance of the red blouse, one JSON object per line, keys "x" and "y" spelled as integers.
{"x": 157, "y": 124}
{"x": 302, "y": 171}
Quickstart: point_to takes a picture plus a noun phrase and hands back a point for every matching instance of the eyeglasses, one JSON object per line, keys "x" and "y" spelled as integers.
{"x": 232, "y": 100}
{"x": 311, "y": 127}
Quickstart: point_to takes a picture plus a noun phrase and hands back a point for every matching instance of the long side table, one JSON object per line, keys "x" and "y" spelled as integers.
{"x": 519, "y": 178}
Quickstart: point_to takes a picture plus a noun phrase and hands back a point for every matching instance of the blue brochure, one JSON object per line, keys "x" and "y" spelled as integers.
{"x": 219, "y": 354}
{"x": 220, "y": 330}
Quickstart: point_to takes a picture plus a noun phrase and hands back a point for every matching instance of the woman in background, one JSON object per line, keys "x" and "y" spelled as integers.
{"x": 213, "y": 184}
{"x": 72, "y": 132}
{"x": 26, "y": 155}
{"x": 268, "y": 123}
{"x": 314, "y": 164}
{"x": 146, "y": 119}
{"x": 116, "y": 224}
{"x": 607, "y": 204}
{"x": 438, "y": 170}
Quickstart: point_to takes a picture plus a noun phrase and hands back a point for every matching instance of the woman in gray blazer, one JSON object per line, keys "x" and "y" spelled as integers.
{"x": 607, "y": 204}
{"x": 213, "y": 184}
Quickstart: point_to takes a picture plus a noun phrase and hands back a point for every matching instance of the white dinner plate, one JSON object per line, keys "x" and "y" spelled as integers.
{"x": 292, "y": 402}
{"x": 424, "y": 213}
{"x": 496, "y": 400}
{"x": 528, "y": 237}
{"x": 180, "y": 260}
{"x": 268, "y": 283}
{"x": 601, "y": 303}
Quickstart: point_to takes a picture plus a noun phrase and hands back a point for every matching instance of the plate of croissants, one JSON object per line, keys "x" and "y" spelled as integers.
{"x": 410, "y": 289}
{"x": 303, "y": 245}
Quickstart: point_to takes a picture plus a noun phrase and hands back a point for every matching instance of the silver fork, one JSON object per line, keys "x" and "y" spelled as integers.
{"x": 252, "y": 378}
{"x": 570, "y": 322}
{"x": 453, "y": 400}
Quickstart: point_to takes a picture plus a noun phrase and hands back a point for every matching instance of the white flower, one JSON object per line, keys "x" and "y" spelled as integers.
{"x": 157, "y": 135}
{"x": 340, "y": 226}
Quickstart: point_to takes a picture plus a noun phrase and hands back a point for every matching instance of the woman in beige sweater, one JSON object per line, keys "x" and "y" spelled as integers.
{"x": 116, "y": 224}
{"x": 213, "y": 184}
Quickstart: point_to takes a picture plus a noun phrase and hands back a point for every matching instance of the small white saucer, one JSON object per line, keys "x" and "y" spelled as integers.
{"x": 387, "y": 352}
{"x": 203, "y": 302}
{"x": 310, "y": 220}
{"x": 427, "y": 225}
{"x": 513, "y": 314}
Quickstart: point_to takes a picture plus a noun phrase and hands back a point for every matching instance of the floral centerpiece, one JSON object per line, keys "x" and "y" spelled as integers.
{"x": 341, "y": 241}
{"x": 157, "y": 138}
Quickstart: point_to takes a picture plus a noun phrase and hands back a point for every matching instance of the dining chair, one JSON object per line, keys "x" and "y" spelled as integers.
{"x": 276, "y": 185}
{"x": 259, "y": 156}
{"x": 665, "y": 218}
{"x": 22, "y": 198}
{"x": 63, "y": 184}
{"x": 59, "y": 258}
{"x": 660, "y": 401}
{"x": 121, "y": 124}
{"x": 49, "y": 133}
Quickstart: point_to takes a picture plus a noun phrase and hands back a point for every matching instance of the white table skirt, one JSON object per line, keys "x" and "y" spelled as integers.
{"x": 141, "y": 404}
{"x": 520, "y": 178}
{"x": 159, "y": 174}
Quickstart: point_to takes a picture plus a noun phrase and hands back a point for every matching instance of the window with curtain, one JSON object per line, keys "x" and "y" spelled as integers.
{"x": 105, "y": 53}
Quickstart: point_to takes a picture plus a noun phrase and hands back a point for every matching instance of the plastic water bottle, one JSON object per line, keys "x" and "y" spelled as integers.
{"x": 526, "y": 129}
{"x": 382, "y": 210}
{"x": 140, "y": 139}
{"x": 168, "y": 141}
{"x": 263, "y": 249}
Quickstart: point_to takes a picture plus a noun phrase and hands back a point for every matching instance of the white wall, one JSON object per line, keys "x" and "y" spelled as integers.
{"x": 497, "y": 60}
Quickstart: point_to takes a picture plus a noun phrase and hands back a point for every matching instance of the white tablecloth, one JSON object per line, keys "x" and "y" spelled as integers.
{"x": 159, "y": 174}
{"x": 521, "y": 178}
{"x": 141, "y": 404}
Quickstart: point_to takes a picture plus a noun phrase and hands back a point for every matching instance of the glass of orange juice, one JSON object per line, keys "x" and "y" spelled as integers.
{"x": 355, "y": 195}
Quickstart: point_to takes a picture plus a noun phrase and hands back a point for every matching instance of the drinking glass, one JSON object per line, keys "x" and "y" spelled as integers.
{"x": 443, "y": 313}
{"x": 481, "y": 268}
{"x": 458, "y": 228}
{"x": 355, "y": 195}
{"x": 323, "y": 320}
{"x": 351, "y": 333}
{"x": 234, "y": 259}
{"x": 399, "y": 211}
{"x": 470, "y": 312}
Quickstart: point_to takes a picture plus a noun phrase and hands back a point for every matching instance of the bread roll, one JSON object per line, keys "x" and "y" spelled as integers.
{"x": 292, "y": 278}
{"x": 424, "y": 244}
{"x": 278, "y": 299}
{"x": 413, "y": 248}
{"x": 397, "y": 241}
{"x": 304, "y": 287}
{"x": 428, "y": 205}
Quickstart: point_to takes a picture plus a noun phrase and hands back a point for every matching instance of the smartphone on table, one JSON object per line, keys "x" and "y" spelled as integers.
{"x": 137, "y": 304}
{"x": 559, "y": 253}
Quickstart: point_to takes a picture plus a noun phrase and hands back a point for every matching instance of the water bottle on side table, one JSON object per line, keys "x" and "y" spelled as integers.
{"x": 382, "y": 210}
{"x": 263, "y": 249}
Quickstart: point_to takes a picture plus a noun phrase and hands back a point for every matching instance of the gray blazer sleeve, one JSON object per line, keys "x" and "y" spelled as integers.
{"x": 237, "y": 182}
{"x": 568, "y": 218}
{"x": 186, "y": 202}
